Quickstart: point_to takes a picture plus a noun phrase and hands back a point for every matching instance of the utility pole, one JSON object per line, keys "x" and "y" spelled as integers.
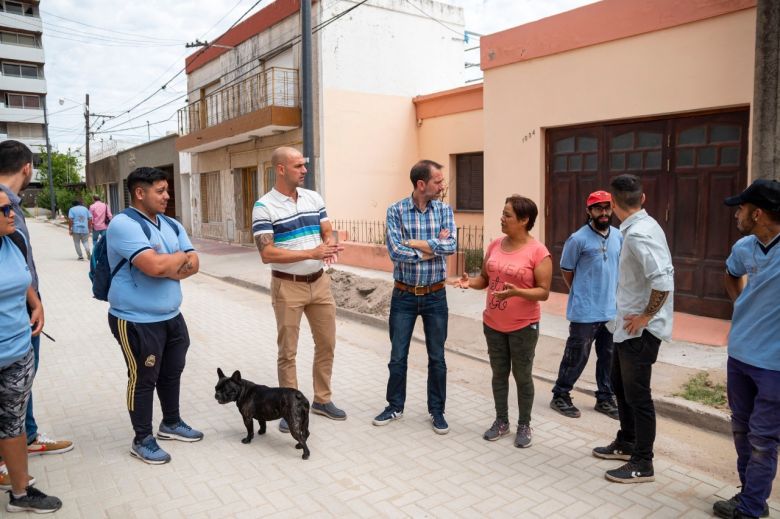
{"x": 52, "y": 198}
{"x": 307, "y": 96}
{"x": 86, "y": 133}
{"x": 148, "y": 132}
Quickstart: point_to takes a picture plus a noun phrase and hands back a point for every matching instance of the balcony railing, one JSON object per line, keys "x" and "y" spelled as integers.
{"x": 273, "y": 87}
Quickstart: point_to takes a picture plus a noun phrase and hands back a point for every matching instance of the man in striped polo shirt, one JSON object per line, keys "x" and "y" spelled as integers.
{"x": 294, "y": 235}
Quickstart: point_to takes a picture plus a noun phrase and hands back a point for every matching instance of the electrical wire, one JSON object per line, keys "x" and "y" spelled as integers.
{"x": 461, "y": 34}
{"x": 113, "y": 31}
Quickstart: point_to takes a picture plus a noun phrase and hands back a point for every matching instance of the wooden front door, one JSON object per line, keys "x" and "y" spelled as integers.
{"x": 249, "y": 195}
{"x": 688, "y": 165}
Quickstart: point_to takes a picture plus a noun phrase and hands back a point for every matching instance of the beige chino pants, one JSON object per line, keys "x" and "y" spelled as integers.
{"x": 290, "y": 300}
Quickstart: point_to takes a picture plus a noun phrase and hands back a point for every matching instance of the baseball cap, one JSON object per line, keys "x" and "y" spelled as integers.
{"x": 598, "y": 197}
{"x": 761, "y": 193}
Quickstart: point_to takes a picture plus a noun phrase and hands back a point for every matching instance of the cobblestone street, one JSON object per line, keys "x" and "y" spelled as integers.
{"x": 355, "y": 470}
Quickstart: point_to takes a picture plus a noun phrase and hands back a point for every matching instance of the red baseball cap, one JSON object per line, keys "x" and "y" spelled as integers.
{"x": 598, "y": 197}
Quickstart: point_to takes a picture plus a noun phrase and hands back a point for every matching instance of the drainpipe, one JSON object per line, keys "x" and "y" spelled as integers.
{"x": 307, "y": 98}
{"x": 48, "y": 158}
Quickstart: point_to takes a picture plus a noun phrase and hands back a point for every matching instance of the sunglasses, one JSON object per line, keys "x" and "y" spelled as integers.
{"x": 6, "y": 210}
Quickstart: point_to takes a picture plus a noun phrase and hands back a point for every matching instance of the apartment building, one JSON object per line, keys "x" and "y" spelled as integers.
{"x": 22, "y": 80}
{"x": 370, "y": 60}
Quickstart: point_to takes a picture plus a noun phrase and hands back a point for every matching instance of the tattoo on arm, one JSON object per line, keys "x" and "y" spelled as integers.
{"x": 263, "y": 240}
{"x": 657, "y": 300}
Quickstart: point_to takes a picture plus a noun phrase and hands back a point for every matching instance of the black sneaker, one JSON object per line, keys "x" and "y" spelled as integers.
{"x": 632, "y": 472}
{"x": 439, "y": 424}
{"x": 728, "y": 509}
{"x": 608, "y": 407}
{"x": 563, "y": 404}
{"x": 497, "y": 430}
{"x": 614, "y": 451}
{"x": 34, "y": 501}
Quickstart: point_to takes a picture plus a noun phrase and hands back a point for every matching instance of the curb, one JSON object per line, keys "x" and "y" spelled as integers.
{"x": 674, "y": 408}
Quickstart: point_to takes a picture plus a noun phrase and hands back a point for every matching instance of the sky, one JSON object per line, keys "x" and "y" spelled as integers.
{"x": 121, "y": 52}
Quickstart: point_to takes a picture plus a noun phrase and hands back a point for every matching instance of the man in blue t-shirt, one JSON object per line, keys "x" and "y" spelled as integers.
{"x": 589, "y": 264}
{"x": 753, "y": 282}
{"x": 79, "y": 227}
{"x": 144, "y": 315}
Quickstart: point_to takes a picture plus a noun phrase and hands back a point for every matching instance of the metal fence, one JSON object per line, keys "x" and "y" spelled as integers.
{"x": 470, "y": 248}
{"x": 276, "y": 86}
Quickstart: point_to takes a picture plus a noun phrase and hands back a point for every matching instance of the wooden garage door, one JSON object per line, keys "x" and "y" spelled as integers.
{"x": 688, "y": 165}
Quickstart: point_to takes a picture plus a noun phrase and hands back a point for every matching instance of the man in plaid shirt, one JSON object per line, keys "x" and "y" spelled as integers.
{"x": 420, "y": 234}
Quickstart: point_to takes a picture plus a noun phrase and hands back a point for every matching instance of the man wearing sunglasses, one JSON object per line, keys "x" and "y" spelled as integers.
{"x": 589, "y": 264}
{"x": 15, "y": 174}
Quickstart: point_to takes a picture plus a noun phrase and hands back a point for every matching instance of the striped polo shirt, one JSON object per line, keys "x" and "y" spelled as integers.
{"x": 294, "y": 224}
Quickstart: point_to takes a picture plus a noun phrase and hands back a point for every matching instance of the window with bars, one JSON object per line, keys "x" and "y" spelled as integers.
{"x": 210, "y": 198}
{"x": 469, "y": 181}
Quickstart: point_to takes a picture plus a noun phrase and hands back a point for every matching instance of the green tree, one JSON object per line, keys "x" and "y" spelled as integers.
{"x": 64, "y": 166}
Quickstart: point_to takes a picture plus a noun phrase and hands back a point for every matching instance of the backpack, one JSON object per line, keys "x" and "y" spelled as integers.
{"x": 100, "y": 272}
{"x": 18, "y": 240}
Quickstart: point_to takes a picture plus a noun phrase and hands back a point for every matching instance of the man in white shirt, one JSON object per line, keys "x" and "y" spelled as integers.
{"x": 644, "y": 319}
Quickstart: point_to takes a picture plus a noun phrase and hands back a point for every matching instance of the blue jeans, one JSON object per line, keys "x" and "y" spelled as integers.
{"x": 404, "y": 309}
{"x": 30, "y": 427}
{"x": 754, "y": 399}
{"x": 96, "y": 235}
{"x": 575, "y": 357}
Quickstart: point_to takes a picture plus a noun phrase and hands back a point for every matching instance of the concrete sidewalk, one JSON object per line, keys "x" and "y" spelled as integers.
{"x": 677, "y": 361}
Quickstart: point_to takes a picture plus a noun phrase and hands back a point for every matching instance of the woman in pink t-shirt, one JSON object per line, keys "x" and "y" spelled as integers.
{"x": 517, "y": 271}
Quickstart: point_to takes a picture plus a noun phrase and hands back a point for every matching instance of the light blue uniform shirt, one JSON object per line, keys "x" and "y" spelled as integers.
{"x": 80, "y": 217}
{"x": 755, "y": 326}
{"x": 15, "y": 330}
{"x": 594, "y": 260}
{"x": 133, "y": 295}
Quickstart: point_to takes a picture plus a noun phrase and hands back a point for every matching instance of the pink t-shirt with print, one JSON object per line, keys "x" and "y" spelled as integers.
{"x": 515, "y": 267}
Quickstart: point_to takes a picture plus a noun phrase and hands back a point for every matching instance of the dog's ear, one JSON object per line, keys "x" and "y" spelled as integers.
{"x": 236, "y": 377}
{"x": 220, "y": 373}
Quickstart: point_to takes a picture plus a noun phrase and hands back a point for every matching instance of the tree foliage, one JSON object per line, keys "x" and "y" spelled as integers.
{"x": 65, "y": 167}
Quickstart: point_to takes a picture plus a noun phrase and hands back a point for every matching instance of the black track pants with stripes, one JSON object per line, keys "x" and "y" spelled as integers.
{"x": 155, "y": 355}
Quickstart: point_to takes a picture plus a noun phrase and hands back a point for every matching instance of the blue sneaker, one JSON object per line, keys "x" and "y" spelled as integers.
{"x": 283, "y": 427}
{"x": 181, "y": 431}
{"x": 439, "y": 423}
{"x": 387, "y": 416}
{"x": 149, "y": 452}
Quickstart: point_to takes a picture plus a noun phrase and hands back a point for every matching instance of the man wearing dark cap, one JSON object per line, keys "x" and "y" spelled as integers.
{"x": 589, "y": 264}
{"x": 753, "y": 282}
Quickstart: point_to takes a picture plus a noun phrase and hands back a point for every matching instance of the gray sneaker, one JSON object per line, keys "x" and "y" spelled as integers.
{"x": 283, "y": 427}
{"x": 328, "y": 409}
{"x": 524, "y": 436}
{"x": 497, "y": 430}
{"x": 33, "y": 501}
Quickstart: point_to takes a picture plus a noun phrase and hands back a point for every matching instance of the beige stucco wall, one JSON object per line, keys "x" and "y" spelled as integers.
{"x": 369, "y": 147}
{"x": 441, "y": 138}
{"x": 698, "y": 66}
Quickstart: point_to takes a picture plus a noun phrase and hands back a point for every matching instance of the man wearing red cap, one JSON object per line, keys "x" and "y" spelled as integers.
{"x": 589, "y": 264}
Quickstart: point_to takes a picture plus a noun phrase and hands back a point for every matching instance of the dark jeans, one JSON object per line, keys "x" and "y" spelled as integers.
{"x": 575, "y": 357}
{"x": 404, "y": 309}
{"x": 632, "y": 368}
{"x": 754, "y": 399}
{"x": 30, "y": 426}
{"x": 155, "y": 355}
{"x": 512, "y": 351}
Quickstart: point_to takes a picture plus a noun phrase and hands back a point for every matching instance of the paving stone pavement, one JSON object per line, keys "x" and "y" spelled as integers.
{"x": 355, "y": 470}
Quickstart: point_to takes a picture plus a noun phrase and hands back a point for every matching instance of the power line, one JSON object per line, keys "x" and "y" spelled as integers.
{"x": 145, "y": 113}
{"x": 113, "y": 31}
{"x": 461, "y": 34}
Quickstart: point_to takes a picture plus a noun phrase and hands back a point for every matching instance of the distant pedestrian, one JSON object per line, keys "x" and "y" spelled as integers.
{"x": 79, "y": 227}
{"x": 151, "y": 254}
{"x": 293, "y": 233}
{"x": 589, "y": 264}
{"x": 753, "y": 282}
{"x": 16, "y": 171}
{"x": 17, "y": 363}
{"x": 643, "y": 320}
{"x": 517, "y": 271}
{"x": 101, "y": 216}
{"x": 420, "y": 235}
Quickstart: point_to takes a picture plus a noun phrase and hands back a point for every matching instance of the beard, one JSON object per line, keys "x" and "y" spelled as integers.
{"x": 601, "y": 224}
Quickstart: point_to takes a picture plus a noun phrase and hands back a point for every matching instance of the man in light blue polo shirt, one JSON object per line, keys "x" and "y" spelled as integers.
{"x": 144, "y": 316}
{"x": 589, "y": 264}
{"x": 753, "y": 282}
{"x": 79, "y": 227}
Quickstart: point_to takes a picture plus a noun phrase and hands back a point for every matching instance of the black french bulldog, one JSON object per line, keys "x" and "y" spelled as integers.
{"x": 265, "y": 403}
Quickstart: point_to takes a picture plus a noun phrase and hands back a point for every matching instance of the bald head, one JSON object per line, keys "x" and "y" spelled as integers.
{"x": 283, "y": 155}
{"x": 290, "y": 168}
